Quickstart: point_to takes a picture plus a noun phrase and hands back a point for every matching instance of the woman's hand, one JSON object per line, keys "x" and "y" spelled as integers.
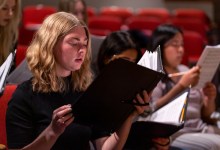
{"x": 209, "y": 91}
{"x": 161, "y": 143}
{"x": 61, "y": 118}
{"x": 191, "y": 77}
{"x": 141, "y": 100}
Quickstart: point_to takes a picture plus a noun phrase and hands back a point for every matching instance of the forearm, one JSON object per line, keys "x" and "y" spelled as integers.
{"x": 44, "y": 141}
{"x": 117, "y": 140}
{"x": 208, "y": 108}
{"x": 123, "y": 132}
{"x": 169, "y": 95}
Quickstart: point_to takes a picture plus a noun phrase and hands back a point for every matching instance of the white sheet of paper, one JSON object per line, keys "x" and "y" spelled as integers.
{"x": 152, "y": 60}
{"x": 7, "y": 65}
{"x": 170, "y": 113}
{"x": 209, "y": 61}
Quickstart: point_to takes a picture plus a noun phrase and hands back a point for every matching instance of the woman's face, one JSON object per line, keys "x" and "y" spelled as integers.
{"x": 173, "y": 51}
{"x": 7, "y": 12}
{"x": 78, "y": 9}
{"x": 70, "y": 51}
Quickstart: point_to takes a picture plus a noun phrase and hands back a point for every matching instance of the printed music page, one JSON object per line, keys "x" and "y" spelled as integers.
{"x": 4, "y": 71}
{"x": 209, "y": 62}
{"x": 152, "y": 60}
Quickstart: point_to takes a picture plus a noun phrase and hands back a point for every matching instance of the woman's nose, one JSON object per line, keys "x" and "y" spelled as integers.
{"x": 181, "y": 49}
{"x": 10, "y": 12}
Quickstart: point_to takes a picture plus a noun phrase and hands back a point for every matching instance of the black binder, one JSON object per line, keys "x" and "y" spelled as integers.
{"x": 108, "y": 100}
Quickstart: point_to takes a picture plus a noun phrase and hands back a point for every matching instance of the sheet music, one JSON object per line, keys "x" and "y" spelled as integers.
{"x": 2, "y": 68}
{"x": 152, "y": 60}
{"x": 170, "y": 113}
{"x": 6, "y": 68}
{"x": 209, "y": 61}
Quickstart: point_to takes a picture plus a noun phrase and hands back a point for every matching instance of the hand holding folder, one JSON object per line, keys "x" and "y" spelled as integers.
{"x": 163, "y": 122}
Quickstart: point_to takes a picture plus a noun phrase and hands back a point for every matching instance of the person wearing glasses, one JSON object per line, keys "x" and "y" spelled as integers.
{"x": 199, "y": 131}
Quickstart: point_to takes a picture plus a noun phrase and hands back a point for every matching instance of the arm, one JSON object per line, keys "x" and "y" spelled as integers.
{"x": 190, "y": 78}
{"x": 117, "y": 140}
{"x": 209, "y": 100}
{"x": 20, "y": 128}
{"x": 161, "y": 143}
{"x": 60, "y": 120}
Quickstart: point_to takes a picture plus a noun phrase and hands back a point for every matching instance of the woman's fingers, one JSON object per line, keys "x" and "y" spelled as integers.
{"x": 143, "y": 101}
{"x": 69, "y": 121}
{"x": 62, "y": 117}
{"x": 62, "y": 108}
{"x": 62, "y": 111}
{"x": 66, "y": 117}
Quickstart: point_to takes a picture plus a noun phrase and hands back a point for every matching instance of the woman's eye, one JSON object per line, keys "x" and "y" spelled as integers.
{"x": 73, "y": 44}
{"x": 4, "y": 8}
{"x": 84, "y": 45}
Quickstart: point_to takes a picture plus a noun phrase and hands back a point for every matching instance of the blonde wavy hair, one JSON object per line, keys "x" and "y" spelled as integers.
{"x": 41, "y": 59}
{"x": 9, "y": 33}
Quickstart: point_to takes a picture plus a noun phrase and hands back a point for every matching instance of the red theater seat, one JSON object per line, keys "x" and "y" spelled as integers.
{"x": 159, "y": 13}
{"x": 143, "y": 23}
{"x": 4, "y": 98}
{"x": 193, "y": 45}
{"x": 20, "y": 54}
{"x": 34, "y": 15}
{"x": 104, "y": 24}
{"x": 121, "y": 12}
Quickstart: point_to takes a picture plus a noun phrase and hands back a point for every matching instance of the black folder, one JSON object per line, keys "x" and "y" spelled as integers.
{"x": 144, "y": 129}
{"x": 108, "y": 100}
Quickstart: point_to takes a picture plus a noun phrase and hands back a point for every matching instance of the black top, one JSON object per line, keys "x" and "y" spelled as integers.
{"x": 29, "y": 113}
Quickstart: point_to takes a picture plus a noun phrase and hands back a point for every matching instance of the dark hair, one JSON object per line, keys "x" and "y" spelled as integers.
{"x": 140, "y": 38}
{"x": 115, "y": 43}
{"x": 162, "y": 34}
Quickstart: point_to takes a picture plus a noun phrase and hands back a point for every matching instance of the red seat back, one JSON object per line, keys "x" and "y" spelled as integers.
{"x": 20, "y": 54}
{"x": 5, "y": 97}
{"x": 158, "y": 13}
{"x": 195, "y": 25}
{"x": 104, "y": 24}
{"x": 91, "y": 11}
{"x": 121, "y": 12}
{"x": 34, "y": 15}
{"x": 191, "y": 13}
{"x": 193, "y": 45}
{"x": 143, "y": 23}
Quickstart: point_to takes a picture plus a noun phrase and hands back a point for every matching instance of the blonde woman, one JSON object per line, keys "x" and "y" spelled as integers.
{"x": 9, "y": 20}
{"x": 39, "y": 113}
